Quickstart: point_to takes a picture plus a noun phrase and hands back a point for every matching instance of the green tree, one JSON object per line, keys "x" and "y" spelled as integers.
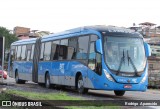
{"x": 9, "y": 37}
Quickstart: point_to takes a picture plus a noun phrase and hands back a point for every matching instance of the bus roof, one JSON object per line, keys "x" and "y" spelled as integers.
{"x": 115, "y": 31}
{"x": 97, "y": 29}
{"x": 25, "y": 41}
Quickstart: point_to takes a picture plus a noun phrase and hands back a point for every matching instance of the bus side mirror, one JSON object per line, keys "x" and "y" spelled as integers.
{"x": 99, "y": 46}
{"x": 147, "y": 49}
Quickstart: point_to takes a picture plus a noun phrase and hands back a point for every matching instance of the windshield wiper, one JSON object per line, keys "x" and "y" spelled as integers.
{"x": 130, "y": 60}
{"x": 120, "y": 65}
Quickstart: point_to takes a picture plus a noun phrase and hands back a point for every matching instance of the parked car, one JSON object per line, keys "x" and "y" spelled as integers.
{"x": 3, "y": 72}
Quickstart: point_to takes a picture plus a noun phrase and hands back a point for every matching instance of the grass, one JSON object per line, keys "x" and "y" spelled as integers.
{"x": 4, "y": 96}
{"x": 55, "y": 96}
{"x": 42, "y": 96}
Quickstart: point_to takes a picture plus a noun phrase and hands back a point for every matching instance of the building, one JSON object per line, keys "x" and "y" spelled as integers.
{"x": 154, "y": 72}
{"x": 26, "y": 33}
{"x": 21, "y": 32}
{"x": 150, "y": 29}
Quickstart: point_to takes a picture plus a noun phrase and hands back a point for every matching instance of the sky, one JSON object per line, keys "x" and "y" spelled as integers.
{"x": 60, "y": 15}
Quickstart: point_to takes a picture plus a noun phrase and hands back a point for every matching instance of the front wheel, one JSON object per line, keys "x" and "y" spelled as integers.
{"x": 80, "y": 86}
{"x": 119, "y": 92}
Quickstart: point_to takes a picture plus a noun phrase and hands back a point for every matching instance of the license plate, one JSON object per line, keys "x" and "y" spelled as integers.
{"x": 127, "y": 86}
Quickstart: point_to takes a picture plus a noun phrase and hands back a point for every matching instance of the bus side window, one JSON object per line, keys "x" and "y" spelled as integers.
{"x": 82, "y": 47}
{"x": 28, "y": 52}
{"x": 23, "y": 53}
{"x": 72, "y": 45}
{"x": 47, "y": 51}
{"x": 13, "y": 53}
{"x": 12, "y": 56}
{"x": 32, "y": 53}
{"x": 63, "y": 50}
{"x": 16, "y": 48}
{"x": 42, "y": 52}
{"x": 98, "y": 64}
{"x": 92, "y": 57}
{"x": 28, "y": 55}
{"x": 55, "y": 48}
{"x": 19, "y": 53}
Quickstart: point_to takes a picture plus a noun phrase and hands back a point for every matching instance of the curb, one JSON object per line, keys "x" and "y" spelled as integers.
{"x": 3, "y": 83}
{"x": 8, "y": 84}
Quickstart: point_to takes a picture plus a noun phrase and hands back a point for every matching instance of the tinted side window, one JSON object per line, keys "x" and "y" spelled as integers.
{"x": 19, "y": 53}
{"x": 23, "y": 54}
{"x": 82, "y": 47}
{"x": 13, "y": 53}
{"x": 28, "y": 52}
{"x": 16, "y": 50}
{"x": 42, "y": 50}
{"x": 98, "y": 64}
{"x": 72, "y": 48}
{"x": 47, "y": 51}
{"x": 55, "y": 48}
{"x": 63, "y": 50}
{"x": 93, "y": 38}
{"x": 92, "y": 57}
{"x": 32, "y": 52}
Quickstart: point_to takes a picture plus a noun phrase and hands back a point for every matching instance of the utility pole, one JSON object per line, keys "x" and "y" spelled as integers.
{"x": 2, "y": 41}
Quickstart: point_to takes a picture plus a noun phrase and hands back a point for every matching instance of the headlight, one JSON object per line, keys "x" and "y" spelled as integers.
{"x": 109, "y": 77}
{"x": 144, "y": 78}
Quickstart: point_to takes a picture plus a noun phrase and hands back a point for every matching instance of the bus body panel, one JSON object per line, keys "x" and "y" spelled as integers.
{"x": 63, "y": 72}
{"x": 24, "y": 70}
{"x": 28, "y": 67}
{"x": 103, "y": 83}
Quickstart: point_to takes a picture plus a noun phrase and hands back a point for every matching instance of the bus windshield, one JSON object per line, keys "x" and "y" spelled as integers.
{"x": 124, "y": 54}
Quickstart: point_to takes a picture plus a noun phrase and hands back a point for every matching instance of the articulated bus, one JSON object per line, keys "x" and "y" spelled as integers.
{"x": 90, "y": 57}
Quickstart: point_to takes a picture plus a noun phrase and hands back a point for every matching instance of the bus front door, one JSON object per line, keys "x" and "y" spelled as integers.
{"x": 91, "y": 65}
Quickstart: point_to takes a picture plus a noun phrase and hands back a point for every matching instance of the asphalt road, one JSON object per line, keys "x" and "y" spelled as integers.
{"x": 150, "y": 94}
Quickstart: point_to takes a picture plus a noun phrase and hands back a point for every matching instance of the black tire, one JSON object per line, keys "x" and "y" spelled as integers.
{"x": 119, "y": 92}
{"x": 80, "y": 85}
{"x": 18, "y": 81}
{"x": 47, "y": 81}
{"x": 41, "y": 84}
{"x": 17, "y": 78}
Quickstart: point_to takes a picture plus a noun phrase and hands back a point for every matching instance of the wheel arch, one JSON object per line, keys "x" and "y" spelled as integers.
{"x": 76, "y": 78}
{"x": 46, "y": 72}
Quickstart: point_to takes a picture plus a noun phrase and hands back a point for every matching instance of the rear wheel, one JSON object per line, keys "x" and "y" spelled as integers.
{"x": 80, "y": 85}
{"x": 119, "y": 92}
{"x": 17, "y": 78}
{"x": 18, "y": 81}
{"x": 41, "y": 84}
{"x": 47, "y": 81}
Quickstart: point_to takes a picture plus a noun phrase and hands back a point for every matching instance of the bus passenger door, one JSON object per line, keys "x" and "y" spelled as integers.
{"x": 91, "y": 65}
{"x": 94, "y": 64}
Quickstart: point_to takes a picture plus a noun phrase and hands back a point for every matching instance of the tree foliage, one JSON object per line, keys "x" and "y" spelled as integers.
{"x": 9, "y": 37}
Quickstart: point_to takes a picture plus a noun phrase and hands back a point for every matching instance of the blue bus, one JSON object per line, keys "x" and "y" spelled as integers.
{"x": 90, "y": 57}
